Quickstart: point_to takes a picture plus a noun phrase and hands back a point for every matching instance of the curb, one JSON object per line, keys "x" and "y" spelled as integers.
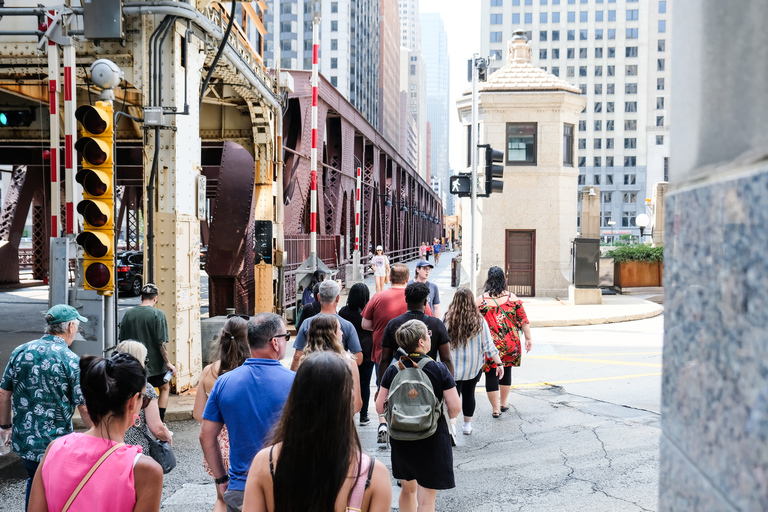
{"x": 575, "y": 322}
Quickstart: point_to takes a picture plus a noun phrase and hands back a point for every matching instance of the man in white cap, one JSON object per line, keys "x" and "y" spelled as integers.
{"x": 42, "y": 385}
{"x": 423, "y": 268}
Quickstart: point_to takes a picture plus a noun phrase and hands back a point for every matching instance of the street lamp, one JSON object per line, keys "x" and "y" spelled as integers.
{"x": 642, "y": 222}
{"x": 403, "y": 207}
{"x": 385, "y": 195}
{"x": 612, "y": 223}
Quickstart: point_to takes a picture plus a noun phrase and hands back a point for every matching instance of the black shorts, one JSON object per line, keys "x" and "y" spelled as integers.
{"x": 157, "y": 380}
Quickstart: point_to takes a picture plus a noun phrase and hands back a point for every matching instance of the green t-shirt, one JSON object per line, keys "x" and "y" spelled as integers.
{"x": 147, "y": 325}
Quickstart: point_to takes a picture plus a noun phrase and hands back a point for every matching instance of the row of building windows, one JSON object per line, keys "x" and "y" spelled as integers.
{"x": 498, "y": 18}
{"x": 500, "y": 3}
{"x": 629, "y": 179}
{"x": 630, "y": 33}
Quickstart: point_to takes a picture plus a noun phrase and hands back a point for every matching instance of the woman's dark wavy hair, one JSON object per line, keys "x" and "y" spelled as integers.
{"x": 232, "y": 349}
{"x": 108, "y": 384}
{"x": 496, "y": 283}
{"x": 462, "y": 320}
{"x": 318, "y": 436}
{"x": 359, "y": 295}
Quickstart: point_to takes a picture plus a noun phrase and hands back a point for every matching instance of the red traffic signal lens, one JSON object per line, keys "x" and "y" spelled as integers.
{"x": 94, "y": 213}
{"x": 97, "y": 275}
{"x": 96, "y": 245}
{"x": 94, "y": 182}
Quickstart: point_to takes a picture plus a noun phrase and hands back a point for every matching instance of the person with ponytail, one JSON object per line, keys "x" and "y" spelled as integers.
{"x": 314, "y": 461}
{"x": 230, "y": 352}
{"x": 96, "y": 470}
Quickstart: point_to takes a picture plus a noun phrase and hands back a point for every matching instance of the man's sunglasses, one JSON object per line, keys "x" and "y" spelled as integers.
{"x": 244, "y": 317}
{"x": 286, "y": 335}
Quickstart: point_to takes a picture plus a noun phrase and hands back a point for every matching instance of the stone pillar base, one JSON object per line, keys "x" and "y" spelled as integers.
{"x": 584, "y": 296}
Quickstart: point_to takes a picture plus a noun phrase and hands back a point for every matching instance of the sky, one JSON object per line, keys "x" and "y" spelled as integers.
{"x": 462, "y": 23}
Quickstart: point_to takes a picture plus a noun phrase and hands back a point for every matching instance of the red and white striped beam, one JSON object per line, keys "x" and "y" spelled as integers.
{"x": 70, "y": 128}
{"x": 313, "y": 167}
{"x": 53, "y": 98}
{"x": 358, "y": 209}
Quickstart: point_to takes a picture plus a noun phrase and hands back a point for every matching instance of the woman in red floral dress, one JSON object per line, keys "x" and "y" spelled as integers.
{"x": 506, "y": 318}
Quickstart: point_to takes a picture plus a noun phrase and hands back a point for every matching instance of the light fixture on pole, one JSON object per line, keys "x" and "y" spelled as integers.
{"x": 403, "y": 207}
{"x": 611, "y": 223}
{"x": 642, "y": 222}
{"x": 385, "y": 195}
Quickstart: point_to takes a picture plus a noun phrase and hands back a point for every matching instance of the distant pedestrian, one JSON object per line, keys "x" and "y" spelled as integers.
{"x": 308, "y": 297}
{"x": 309, "y": 310}
{"x": 423, "y": 251}
{"x": 436, "y": 249}
{"x": 230, "y": 352}
{"x": 147, "y": 324}
{"x": 314, "y": 460}
{"x": 424, "y": 466}
{"x": 471, "y": 343}
{"x": 329, "y": 300}
{"x": 249, "y": 400}
{"x": 421, "y": 274}
{"x": 380, "y": 267}
{"x": 41, "y": 383}
{"x": 125, "y": 480}
{"x": 353, "y": 313}
{"x": 506, "y": 317}
{"x": 148, "y": 422}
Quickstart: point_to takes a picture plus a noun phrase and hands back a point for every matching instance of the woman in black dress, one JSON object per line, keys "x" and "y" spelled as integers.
{"x": 426, "y": 465}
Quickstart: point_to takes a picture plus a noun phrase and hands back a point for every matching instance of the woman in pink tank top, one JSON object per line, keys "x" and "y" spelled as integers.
{"x": 121, "y": 479}
{"x": 314, "y": 461}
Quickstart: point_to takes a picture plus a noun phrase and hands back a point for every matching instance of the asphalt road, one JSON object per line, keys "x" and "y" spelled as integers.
{"x": 582, "y": 433}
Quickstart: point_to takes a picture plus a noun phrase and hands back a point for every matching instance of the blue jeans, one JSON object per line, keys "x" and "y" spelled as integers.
{"x": 31, "y": 467}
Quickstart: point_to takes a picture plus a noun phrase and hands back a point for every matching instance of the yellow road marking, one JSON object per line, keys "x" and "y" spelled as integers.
{"x": 558, "y": 382}
{"x": 600, "y": 361}
{"x": 604, "y": 355}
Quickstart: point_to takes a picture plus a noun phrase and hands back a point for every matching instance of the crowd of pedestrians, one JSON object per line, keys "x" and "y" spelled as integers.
{"x": 273, "y": 438}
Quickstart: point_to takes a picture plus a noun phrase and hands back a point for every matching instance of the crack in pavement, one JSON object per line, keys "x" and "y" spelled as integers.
{"x": 520, "y": 425}
{"x": 602, "y": 446}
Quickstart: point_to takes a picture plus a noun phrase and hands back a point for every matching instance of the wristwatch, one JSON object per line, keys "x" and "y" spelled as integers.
{"x": 222, "y": 480}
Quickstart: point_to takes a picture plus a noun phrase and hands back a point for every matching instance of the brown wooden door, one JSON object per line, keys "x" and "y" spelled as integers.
{"x": 521, "y": 262}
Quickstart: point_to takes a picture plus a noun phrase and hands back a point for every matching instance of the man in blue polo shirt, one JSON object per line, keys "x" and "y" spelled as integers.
{"x": 249, "y": 401}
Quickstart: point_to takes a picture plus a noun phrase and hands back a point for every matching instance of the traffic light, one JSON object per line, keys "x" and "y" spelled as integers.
{"x": 12, "y": 118}
{"x": 493, "y": 171}
{"x": 97, "y": 207}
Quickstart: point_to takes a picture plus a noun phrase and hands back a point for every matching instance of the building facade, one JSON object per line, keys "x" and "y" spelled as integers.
{"x": 617, "y": 53}
{"x": 389, "y": 71}
{"x": 434, "y": 48}
{"x": 415, "y": 82}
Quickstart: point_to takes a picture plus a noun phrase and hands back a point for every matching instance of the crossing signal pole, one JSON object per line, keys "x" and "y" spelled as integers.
{"x": 97, "y": 207}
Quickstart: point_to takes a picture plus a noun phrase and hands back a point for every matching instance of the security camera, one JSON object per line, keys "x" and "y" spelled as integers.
{"x": 106, "y": 74}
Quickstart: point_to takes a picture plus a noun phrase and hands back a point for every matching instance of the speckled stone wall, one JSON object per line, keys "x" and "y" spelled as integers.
{"x": 715, "y": 383}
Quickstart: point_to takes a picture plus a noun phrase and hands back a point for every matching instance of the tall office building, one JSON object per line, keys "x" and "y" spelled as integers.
{"x": 349, "y": 46}
{"x": 415, "y": 83}
{"x": 618, "y": 53}
{"x": 389, "y": 71}
{"x": 434, "y": 48}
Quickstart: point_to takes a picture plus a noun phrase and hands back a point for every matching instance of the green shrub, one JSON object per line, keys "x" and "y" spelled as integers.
{"x": 639, "y": 252}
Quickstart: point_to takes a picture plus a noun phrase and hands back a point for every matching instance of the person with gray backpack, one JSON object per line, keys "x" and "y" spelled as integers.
{"x": 411, "y": 398}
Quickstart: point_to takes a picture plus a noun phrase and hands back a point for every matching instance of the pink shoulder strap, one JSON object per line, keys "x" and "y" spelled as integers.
{"x": 355, "y": 502}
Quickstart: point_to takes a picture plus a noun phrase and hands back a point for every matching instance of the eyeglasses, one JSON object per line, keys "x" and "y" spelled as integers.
{"x": 146, "y": 361}
{"x": 244, "y": 317}
{"x": 429, "y": 333}
{"x": 145, "y": 402}
{"x": 286, "y": 335}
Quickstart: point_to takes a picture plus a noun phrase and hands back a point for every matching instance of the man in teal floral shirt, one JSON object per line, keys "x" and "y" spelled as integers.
{"x": 42, "y": 385}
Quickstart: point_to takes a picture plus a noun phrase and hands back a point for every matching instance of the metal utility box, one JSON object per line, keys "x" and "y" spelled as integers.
{"x": 103, "y": 19}
{"x": 585, "y": 262}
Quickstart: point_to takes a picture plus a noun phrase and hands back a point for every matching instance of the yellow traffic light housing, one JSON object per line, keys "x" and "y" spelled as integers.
{"x": 97, "y": 207}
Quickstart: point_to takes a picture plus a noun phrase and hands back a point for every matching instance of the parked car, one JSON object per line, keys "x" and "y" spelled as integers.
{"x": 130, "y": 268}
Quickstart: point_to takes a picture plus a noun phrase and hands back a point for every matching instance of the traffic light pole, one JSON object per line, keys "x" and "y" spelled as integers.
{"x": 473, "y": 180}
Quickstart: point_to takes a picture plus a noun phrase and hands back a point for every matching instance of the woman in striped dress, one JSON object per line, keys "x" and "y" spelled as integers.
{"x": 471, "y": 344}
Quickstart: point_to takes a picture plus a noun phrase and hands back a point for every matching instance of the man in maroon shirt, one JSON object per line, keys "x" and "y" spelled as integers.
{"x": 383, "y": 307}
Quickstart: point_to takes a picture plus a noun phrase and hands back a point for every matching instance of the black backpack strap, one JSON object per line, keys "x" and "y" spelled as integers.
{"x": 370, "y": 472}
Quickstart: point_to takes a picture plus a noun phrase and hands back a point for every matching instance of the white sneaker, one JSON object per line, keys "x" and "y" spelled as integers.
{"x": 382, "y": 437}
{"x": 466, "y": 429}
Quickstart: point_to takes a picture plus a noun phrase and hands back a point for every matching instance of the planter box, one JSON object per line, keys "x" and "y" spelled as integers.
{"x": 632, "y": 274}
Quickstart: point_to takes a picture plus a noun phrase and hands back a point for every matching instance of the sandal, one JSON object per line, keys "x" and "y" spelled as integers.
{"x": 504, "y": 408}
{"x": 496, "y": 415}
